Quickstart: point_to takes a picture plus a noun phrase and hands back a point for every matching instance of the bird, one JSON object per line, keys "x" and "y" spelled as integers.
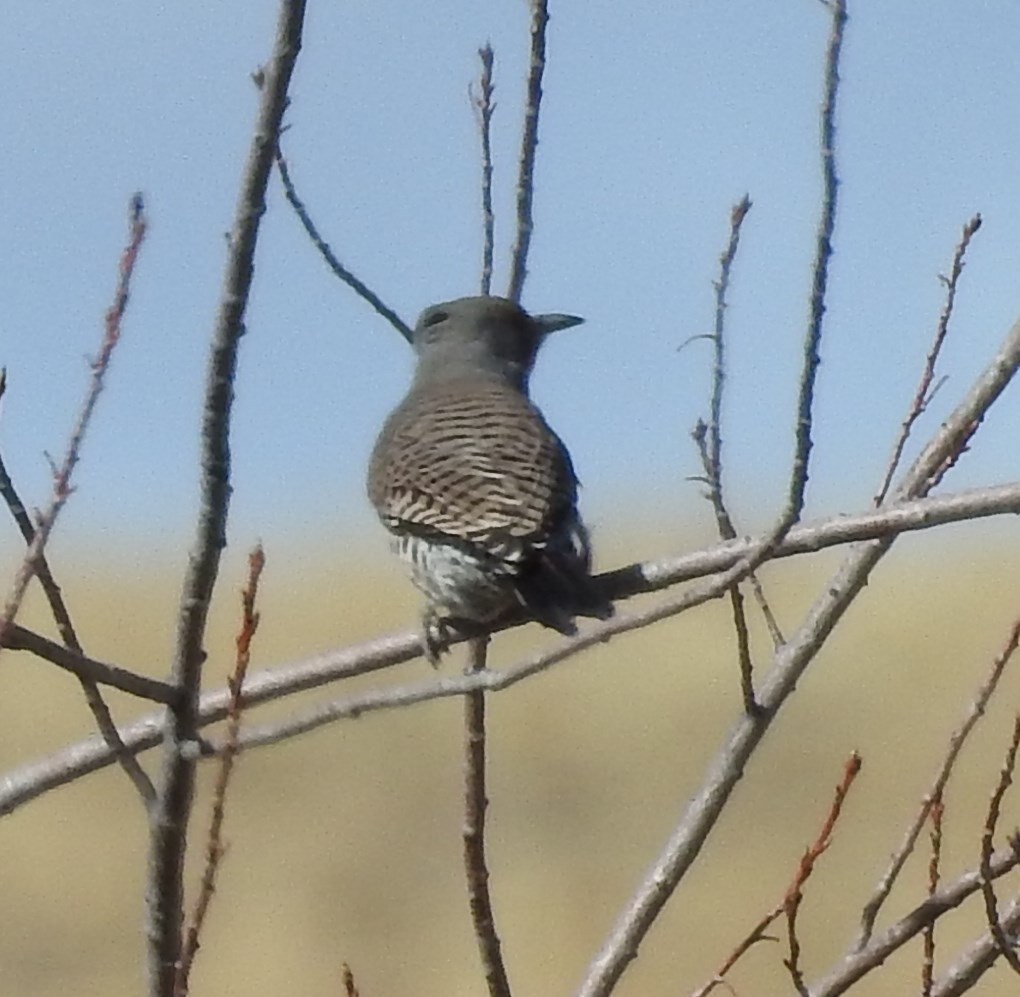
{"x": 477, "y": 491}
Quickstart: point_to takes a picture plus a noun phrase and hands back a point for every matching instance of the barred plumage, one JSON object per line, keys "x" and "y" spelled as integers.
{"x": 479, "y": 493}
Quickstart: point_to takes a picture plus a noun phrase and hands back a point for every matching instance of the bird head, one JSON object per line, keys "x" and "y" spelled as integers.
{"x": 489, "y": 336}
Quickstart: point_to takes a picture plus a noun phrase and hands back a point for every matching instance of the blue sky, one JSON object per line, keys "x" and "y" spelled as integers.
{"x": 658, "y": 117}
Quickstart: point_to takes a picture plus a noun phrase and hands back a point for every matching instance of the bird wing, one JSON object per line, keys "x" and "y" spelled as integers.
{"x": 476, "y": 463}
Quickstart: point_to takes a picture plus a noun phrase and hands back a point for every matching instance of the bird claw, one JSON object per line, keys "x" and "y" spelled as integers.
{"x": 435, "y": 639}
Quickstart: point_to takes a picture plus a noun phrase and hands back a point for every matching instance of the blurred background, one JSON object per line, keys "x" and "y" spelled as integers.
{"x": 345, "y": 844}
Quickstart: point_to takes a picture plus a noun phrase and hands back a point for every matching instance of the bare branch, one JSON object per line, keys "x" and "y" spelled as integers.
{"x": 952, "y": 437}
{"x": 100, "y": 364}
{"x": 1006, "y": 946}
{"x": 792, "y": 898}
{"x": 702, "y": 812}
{"x": 91, "y": 671}
{"x": 713, "y": 431}
{"x": 33, "y": 779}
{"x": 934, "y": 874}
{"x": 905, "y": 515}
{"x": 977, "y": 959}
{"x": 708, "y": 437}
{"x": 529, "y": 147}
{"x": 934, "y": 796}
{"x": 820, "y": 270}
{"x": 215, "y": 847}
{"x": 925, "y": 392}
{"x": 170, "y": 820}
{"x": 857, "y": 965}
{"x": 484, "y": 107}
{"x": 475, "y": 803}
{"x": 790, "y": 662}
{"x": 795, "y": 894}
{"x": 360, "y": 288}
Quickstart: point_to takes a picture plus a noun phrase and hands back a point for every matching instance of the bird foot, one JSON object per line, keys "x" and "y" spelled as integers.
{"x": 435, "y": 640}
{"x": 438, "y": 633}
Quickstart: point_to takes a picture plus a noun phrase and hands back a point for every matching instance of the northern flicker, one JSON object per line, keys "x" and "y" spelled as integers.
{"x": 478, "y": 492}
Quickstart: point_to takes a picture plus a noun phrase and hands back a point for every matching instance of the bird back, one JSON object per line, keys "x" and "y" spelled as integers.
{"x": 473, "y": 461}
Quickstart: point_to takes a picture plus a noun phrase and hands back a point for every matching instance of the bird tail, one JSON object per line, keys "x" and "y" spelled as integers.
{"x": 557, "y": 585}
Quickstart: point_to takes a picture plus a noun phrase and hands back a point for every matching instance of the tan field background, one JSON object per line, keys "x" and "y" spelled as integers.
{"x": 344, "y": 844}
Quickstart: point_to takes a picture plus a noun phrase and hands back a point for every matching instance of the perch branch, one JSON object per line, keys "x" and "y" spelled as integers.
{"x": 33, "y": 779}
{"x": 475, "y": 803}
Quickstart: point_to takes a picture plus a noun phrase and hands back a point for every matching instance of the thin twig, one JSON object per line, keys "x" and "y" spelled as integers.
{"x": 727, "y": 532}
{"x": 795, "y": 893}
{"x": 708, "y": 437}
{"x": 35, "y": 778}
{"x": 820, "y": 269}
{"x": 164, "y": 898}
{"x": 856, "y": 965}
{"x": 934, "y": 796}
{"x": 360, "y": 288}
{"x": 71, "y": 654}
{"x": 713, "y": 431}
{"x": 529, "y": 148}
{"x": 475, "y": 802}
{"x": 767, "y": 545}
{"x": 765, "y": 608}
{"x": 350, "y": 988}
{"x": 924, "y": 393}
{"x": 100, "y": 364}
{"x": 90, "y": 671}
{"x": 753, "y": 937}
{"x": 215, "y": 847}
{"x": 484, "y": 108}
{"x": 934, "y": 875}
{"x": 1006, "y": 945}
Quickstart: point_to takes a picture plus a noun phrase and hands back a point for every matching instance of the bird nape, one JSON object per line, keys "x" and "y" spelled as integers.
{"x": 478, "y": 492}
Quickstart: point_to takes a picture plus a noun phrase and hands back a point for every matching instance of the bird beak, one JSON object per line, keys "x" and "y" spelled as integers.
{"x": 555, "y": 322}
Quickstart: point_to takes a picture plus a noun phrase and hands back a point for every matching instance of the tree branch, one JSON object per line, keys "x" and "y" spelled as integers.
{"x": 33, "y": 779}
{"x": 974, "y": 713}
{"x": 215, "y": 847}
{"x": 164, "y": 898}
{"x": 529, "y": 148}
{"x": 358, "y": 286}
{"x": 89, "y": 670}
{"x": 924, "y": 392}
{"x": 858, "y": 964}
{"x": 100, "y": 365}
{"x": 484, "y": 107}
{"x": 475, "y": 803}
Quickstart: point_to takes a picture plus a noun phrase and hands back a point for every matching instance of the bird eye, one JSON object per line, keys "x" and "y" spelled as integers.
{"x": 435, "y": 318}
